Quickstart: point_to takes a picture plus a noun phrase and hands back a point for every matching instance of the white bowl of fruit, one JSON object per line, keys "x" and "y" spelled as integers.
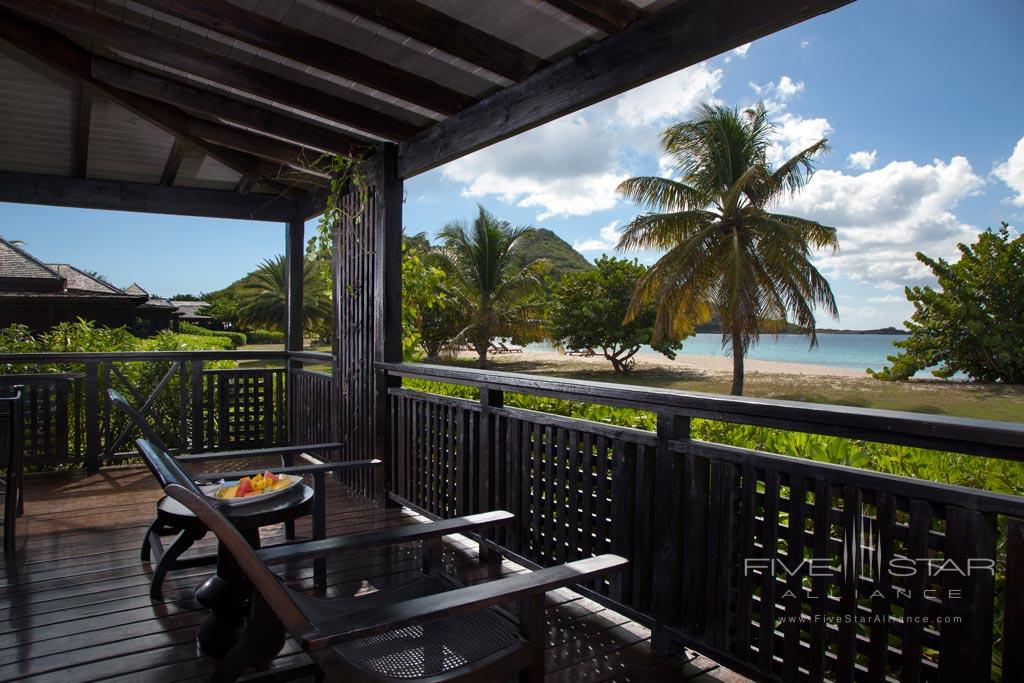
{"x": 251, "y": 489}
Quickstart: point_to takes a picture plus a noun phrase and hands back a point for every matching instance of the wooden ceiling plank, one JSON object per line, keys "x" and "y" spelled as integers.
{"x": 294, "y": 156}
{"x": 439, "y": 30}
{"x": 173, "y": 163}
{"x": 67, "y": 57}
{"x": 209, "y": 103}
{"x": 83, "y": 22}
{"x": 610, "y": 16}
{"x": 83, "y": 126}
{"x": 670, "y": 39}
{"x": 116, "y": 195}
{"x": 263, "y": 32}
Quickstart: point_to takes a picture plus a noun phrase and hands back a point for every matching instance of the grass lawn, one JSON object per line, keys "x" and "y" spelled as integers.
{"x": 986, "y": 401}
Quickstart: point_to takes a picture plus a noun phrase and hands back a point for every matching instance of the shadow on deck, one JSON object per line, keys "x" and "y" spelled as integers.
{"x": 76, "y": 604}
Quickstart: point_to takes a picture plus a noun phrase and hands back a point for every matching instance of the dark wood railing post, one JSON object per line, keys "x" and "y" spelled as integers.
{"x": 198, "y": 421}
{"x": 669, "y": 486}
{"x": 92, "y": 417}
{"x": 486, "y": 467}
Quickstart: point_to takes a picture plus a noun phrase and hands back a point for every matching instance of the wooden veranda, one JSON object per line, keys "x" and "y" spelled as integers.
{"x": 222, "y": 109}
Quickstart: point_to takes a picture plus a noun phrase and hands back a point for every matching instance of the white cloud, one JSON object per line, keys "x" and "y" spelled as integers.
{"x": 888, "y": 299}
{"x": 571, "y": 166}
{"x": 863, "y": 159}
{"x": 609, "y": 238}
{"x": 886, "y": 215}
{"x": 1011, "y": 172}
{"x": 804, "y": 43}
{"x": 670, "y": 97}
{"x": 740, "y": 52}
{"x": 795, "y": 134}
{"x": 787, "y": 87}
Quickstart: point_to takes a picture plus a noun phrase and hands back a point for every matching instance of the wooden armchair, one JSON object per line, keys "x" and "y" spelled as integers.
{"x": 167, "y": 559}
{"x": 423, "y": 630}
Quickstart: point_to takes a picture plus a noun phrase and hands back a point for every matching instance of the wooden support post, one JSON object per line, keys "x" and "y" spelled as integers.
{"x": 669, "y": 485}
{"x": 295, "y": 256}
{"x": 387, "y": 303}
{"x": 92, "y": 418}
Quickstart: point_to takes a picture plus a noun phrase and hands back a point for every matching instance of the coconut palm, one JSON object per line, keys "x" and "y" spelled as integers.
{"x": 264, "y": 298}
{"x": 727, "y": 255}
{"x": 498, "y": 296}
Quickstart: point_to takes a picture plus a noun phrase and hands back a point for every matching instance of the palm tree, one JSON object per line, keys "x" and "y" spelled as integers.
{"x": 726, "y": 253}
{"x": 498, "y": 296}
{"x": 264, "y": 298}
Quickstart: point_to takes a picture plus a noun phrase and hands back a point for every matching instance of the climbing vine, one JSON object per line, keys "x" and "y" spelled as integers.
{"x": 348, "y": 176}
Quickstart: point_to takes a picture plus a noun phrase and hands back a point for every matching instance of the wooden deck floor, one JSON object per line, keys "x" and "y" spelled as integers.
{"x": 76, "y": 606}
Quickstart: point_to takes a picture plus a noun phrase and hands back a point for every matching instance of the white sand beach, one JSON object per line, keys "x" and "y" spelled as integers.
{"x": 700, "y": 365}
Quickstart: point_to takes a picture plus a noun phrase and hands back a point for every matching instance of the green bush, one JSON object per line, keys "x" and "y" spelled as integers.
{"x": 238, "y": 338}
{"x": 265, "y": 337}
{"x": 175, "y": 341}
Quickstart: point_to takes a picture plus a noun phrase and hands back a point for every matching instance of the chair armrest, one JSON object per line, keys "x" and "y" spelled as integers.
{"x": 257, "y": 452}
{"x": 370, "y": 622}
{"x": 367, "y": 539}
{"x": 294, "y": 469}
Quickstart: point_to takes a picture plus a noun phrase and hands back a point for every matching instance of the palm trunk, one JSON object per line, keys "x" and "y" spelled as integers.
{"x": 737, "y": 366}
{"x": 481, "y": 350}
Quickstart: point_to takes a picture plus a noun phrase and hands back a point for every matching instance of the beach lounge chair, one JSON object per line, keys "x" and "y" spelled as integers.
{"x": 167, "y": 559}
{"x": 431, "y": 628}
{"x": 510, "y": 348}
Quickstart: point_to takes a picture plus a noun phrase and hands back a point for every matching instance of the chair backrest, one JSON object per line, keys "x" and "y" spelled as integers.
{"x": 164, "y": 466}
{"x": 118, "y": 399}
{"x": 262, "y": 579}
{"x": 11, "y": 425}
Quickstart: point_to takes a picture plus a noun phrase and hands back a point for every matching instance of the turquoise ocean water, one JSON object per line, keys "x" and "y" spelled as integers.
{"x": 857, "y": 351}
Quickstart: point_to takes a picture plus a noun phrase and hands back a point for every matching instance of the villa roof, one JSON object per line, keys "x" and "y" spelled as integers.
{"x": 188, "y": 309}
{"x": 17, "y": 263}
{"x": 81, "y": 281}
{"x": 134, "y": 288}
{"x": 217, "y": 107}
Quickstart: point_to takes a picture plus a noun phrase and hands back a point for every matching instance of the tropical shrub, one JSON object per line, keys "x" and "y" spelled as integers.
{"x": 264, "y": 336}
{"x": 588, "y": 309}
{"x": 974, "y": 322}
{"x": 238, "y": 338}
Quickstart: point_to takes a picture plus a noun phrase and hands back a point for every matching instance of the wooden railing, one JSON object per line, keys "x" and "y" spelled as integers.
{"x": 776, "y": 566}
{"x": 196, "y": 400}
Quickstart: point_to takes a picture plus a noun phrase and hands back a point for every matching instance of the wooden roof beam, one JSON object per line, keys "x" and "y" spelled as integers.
{"x": 173, "y": 163}
{"x": 116, "y": 195}
{"x": 83, "y": 125}
{"x": 209, "y": 103}
{"x": 261, "y": 31}
{"x": 67, "y": 57}
{"x": 670, "y": 39}
{"x": 610, "y": 16}
{"x": 437, "y": 29}
{"x": 80, "y": 21}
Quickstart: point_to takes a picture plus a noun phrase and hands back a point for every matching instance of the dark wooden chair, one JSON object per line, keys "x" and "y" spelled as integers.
{"x": 11, "y": 426}
{"x": 168, "y": 559}
{"x": 429, "y": 629}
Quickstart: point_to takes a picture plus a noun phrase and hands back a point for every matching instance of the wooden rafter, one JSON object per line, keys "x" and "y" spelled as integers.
{"x": 672, "y": 38}
{"x": 263, "y": 32}
{"x": 209, "y": 103}
{"x": 83, "y": 125}
{"x": 117, "y": 35}
{"x": 437, "y": 29}
{"x": 117, "y": 195}
{"x": 610, "y": 16}
{"x": 65, "y": 56}
{"x": 173, "y": 163}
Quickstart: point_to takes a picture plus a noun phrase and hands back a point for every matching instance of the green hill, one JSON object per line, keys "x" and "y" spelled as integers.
{"x": 547, "y": 245}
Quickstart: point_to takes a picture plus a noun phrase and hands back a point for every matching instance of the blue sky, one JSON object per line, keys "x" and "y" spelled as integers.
{"x": 921, "y": 101}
